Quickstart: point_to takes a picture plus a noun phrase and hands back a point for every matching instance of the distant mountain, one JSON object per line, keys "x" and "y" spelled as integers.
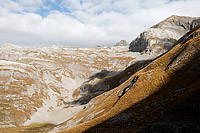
{"x": 160, "y": 37}
{"x": 122, "y": 43}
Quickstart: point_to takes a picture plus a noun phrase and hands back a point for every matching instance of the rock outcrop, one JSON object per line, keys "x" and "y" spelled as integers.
{"x": 160, "y": 37}
{"x": 122, "y": 43}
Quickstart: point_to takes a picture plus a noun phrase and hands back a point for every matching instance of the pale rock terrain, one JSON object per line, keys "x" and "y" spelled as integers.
{"x": 161, "y": 37}
{"x": 37, "y": 83}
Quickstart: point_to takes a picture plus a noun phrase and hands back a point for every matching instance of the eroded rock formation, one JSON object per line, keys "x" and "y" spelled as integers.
{"x": 160, "y": 37}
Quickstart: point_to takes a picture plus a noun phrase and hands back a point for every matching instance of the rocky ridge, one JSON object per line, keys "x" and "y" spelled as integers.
{"x": 160, "y": 37}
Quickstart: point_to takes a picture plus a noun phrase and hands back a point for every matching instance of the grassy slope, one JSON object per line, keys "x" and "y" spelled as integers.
{"x": 161, "y": 85}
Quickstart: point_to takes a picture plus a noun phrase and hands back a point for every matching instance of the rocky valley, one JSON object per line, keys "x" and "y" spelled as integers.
{"x": 136, "y": 88}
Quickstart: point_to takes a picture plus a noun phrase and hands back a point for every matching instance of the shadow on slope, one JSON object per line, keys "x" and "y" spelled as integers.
{"x": 102, "y": 74}
{"x": 182, "y": 118}
{"x": 105, "y": 81}
{"x": 171, "y": 95}
{"x": 94, "y": 88}
{"x": 160, "y": 86}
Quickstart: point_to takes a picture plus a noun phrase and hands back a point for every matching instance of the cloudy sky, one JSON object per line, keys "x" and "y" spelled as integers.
{"x": 84, "y": 23}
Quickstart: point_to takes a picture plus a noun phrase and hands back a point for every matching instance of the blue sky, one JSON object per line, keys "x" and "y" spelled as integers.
{"x": 84, "y": 23}
{"x": 56, "y": 5}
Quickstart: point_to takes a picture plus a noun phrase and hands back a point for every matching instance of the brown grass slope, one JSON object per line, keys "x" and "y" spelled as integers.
{"x": 148, "y": 93}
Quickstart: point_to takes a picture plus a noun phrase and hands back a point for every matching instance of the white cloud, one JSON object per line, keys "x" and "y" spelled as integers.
{"x": 90, "y": 22}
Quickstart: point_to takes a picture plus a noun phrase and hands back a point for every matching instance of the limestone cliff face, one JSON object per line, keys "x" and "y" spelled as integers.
{"x": 160, "y": 37}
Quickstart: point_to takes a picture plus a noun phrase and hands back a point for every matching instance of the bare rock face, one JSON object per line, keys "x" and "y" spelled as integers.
{"x": 122, "y": 43}
{"x": 160, "y": 37}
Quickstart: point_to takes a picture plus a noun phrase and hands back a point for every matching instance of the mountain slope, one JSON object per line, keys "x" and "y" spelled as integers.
{"x": 37, "y": 82}
{"x": 146, "y": 94}
{"x": 89, "y": 90}
{"x": 160, "y": 37}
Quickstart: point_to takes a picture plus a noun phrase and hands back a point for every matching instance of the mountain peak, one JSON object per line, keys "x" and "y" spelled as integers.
{"x": 122, "y": 43}
{"x": 161, "y": 37}
{"x": 177, "y": 20}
